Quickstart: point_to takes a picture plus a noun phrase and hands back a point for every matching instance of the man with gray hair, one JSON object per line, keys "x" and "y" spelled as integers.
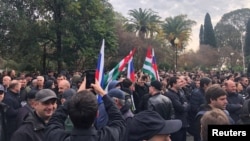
{"x": 118, "y": 97}
{"x": 33, "y": 126}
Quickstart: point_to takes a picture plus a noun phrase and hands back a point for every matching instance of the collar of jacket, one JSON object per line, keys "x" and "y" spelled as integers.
{"x": 36, "y": 121}
{"x": 84, "y": 132}
{"x": 158, "y": 93}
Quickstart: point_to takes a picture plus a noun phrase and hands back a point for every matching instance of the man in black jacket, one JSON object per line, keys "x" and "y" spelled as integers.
{"x": 83, "y": 109}
{"x": 158, "y": 102}
{"x": 33, "y": 126}
{"x": 12, "y": 99}
{"x": 3, "y": 109}
{"x": 180, "y": 105}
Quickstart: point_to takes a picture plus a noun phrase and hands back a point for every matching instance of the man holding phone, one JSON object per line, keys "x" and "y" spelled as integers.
{"x": 83, "y": 109}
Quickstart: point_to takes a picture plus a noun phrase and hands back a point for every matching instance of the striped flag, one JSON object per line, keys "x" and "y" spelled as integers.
{"x": 155, "y": 67}
{"x": 99, "y": 73}
{"x": 148, "y": 65}
{"x": 130, "y": 71}
{"x": 114, "y": 73}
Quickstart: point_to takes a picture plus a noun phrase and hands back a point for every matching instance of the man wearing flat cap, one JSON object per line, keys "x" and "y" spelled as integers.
{"x": 33, "y": 126}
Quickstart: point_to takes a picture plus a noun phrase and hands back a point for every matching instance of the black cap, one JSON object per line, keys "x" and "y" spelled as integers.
{"x": 157, "y": 84}
{"x": 148, "y": 124}
{"x": 45, "y": 95}
{"x": 116, "y": 92}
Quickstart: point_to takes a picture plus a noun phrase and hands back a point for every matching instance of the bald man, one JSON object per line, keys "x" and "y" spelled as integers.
{"x": 235, "y": 100}
{"x": 63, "y": 85}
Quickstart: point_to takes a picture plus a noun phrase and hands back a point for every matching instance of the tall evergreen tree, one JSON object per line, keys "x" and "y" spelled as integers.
{"x": 209, "y": 37}
{"x": 201, "y": 35}
{"x": 247, "y": 41}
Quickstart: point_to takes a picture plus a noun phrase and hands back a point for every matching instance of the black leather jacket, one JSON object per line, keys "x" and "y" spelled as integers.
{"x": 162, "y": 105}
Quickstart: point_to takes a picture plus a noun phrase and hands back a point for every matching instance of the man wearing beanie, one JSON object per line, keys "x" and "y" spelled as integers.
{"x": 158, "y": 102}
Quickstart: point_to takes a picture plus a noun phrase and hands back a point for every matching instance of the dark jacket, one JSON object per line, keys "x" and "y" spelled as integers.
{"x": 245, "y": 113}
{"x": 22, "y": 113}
{"x": 114, "y": 131}
{"x": 197, "y": 126}
{"x": 235, "y": 102}
{"x": 143, "y": 105}
{"x": 14, "y": 103}
{"x": 197, "y": 98}
{"x": 32, "y": 129}
{"x": 126, "y": 112}
{"x": 181, "y": 107}
{"x": 139, "y": 92}
{"x": 102, "y": 119}
{"x": 3, "y": 122}
{"x": 162, "y": 105}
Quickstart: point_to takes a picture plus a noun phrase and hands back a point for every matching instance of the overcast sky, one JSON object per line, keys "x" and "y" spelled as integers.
{"x": 194, "y": 9}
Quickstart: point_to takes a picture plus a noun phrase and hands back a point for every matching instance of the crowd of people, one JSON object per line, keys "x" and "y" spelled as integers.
{"x": 59, "y": 107}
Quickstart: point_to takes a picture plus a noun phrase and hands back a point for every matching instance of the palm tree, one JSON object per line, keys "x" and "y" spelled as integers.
{"x": 143, "y": 21}
{"x": 178, "y": 27}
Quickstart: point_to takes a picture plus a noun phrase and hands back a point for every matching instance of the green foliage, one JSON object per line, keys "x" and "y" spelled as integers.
{"x": 71, "y": 32}
{"x": 229, "y": 30}
{"x": 209, "y": 36}
{"x": 164, "y": 66}
{"x": 201, "y": 35}
{"x": 143, "y": 21}
{"x": 178, "y": 27}
{"x": 247, "y": 40}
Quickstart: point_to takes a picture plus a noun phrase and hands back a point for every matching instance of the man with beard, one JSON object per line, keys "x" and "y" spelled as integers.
{"x": 33, "y": 127}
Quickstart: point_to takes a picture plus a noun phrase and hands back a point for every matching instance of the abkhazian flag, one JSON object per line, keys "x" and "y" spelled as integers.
{"x": 114, "y": 73}
{"x": 99, "y": 73}
{"x": 147, "y": 66}
{"x": 130, "y": 70}
{"x": 155, "y": 67}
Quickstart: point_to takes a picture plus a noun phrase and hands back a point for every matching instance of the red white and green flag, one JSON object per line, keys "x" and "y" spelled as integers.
{"x": 150, "y": 66}
{"x": 120, "y": 67}
{"x": 154, "y": 64}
